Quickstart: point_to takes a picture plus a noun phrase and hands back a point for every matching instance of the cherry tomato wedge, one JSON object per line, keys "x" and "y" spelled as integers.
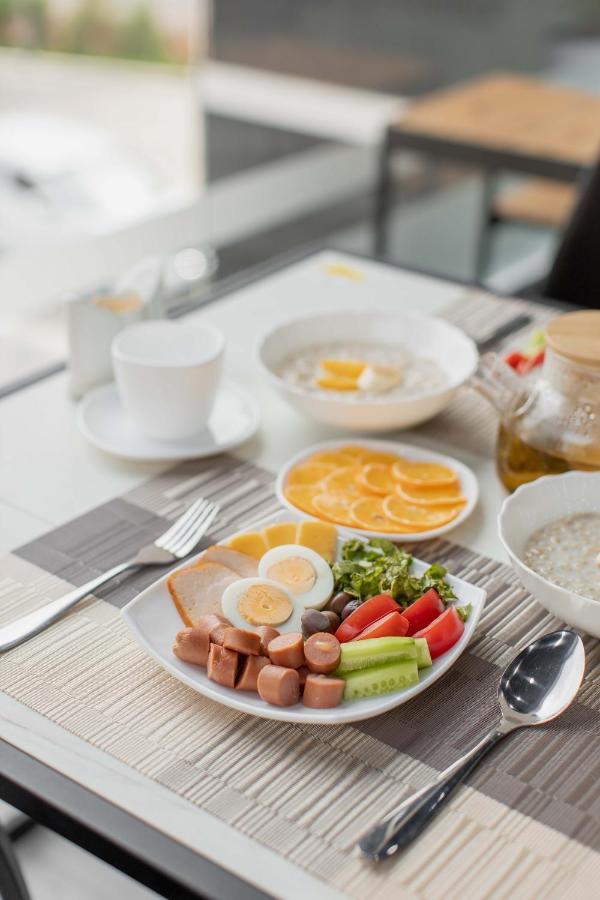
{"x": 423, "y": 611}
{"x": 369, "y": 611}
{"x": 393, "y": 624}
{"x": 530, "y": 362}
{"x": 513, "y": 359}
{"x": 443, "y": 632}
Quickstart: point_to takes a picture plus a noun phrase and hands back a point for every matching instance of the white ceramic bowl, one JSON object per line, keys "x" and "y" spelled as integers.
{"x": 468, "y": 483}
{"x": 533, "y": 506}
{"x": 423, "y": 335}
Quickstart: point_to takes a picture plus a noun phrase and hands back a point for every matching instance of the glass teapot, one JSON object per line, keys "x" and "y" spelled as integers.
{"x": 552, "y": 425}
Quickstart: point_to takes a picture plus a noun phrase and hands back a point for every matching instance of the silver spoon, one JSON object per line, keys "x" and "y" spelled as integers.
{"x": 538, "y": 685}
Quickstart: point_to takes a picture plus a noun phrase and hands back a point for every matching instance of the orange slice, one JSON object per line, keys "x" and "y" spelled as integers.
{"x": 420, "y": 518}
{"x": 376, "y": 478}
{"x": 309, "y": 473}
{"x": 333, "y": 508}
{"x": 433, "y": 496}
{"x": 368, "y": 512}
{"x": 423, "y": 474}
{"x": 302, "y": 496}
{"x": 335, "y": 458}
{"x": 378, "y": 456}
{"x": 357, "y": 453}
{"x": 342, "y": 481}
{"x": 348, "y": 368}
{"x": 337, "y": 383}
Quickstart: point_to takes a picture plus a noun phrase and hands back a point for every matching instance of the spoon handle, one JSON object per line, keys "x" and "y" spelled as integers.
{"x": 409, "y": 819}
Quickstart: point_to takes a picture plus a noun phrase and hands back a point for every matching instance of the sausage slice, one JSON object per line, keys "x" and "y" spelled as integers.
{"x": 222, "y": 665}
{"x": 287, "y": 650}
{"x": 242, "y": 641}
{"x": 251, "y": 667}
{"x": 191, "y": 645}
{"x": 321, "y": 692}
{"x": 278, "y": 686}
{"x": 267, "y": 633}
{"x": 322, "y": 652}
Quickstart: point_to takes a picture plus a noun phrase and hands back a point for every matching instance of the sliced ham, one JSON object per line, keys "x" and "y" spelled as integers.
{"x": 198, "y": 589}
{"x": 244, "y": 565}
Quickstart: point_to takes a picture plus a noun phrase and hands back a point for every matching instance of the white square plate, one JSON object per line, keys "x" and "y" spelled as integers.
{"x": 154, "y": 621}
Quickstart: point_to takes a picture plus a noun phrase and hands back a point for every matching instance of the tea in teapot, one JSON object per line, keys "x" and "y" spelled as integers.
{"x": 553, "y": 425}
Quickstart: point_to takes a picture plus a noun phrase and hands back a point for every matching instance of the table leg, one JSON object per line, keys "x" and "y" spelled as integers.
{"x": 12, "y": 884}
{"x": 484, "y": 235}
{"x": 383, "y": 197}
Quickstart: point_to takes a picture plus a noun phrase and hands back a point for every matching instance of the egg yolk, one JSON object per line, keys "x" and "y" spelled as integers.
{"x": 262, "y": 604}
{"x": 296, "y": 573}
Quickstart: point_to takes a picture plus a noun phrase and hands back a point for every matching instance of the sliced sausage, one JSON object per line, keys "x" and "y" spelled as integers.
{"x": 322, "y": 652}
{"x": 217, "y": 632}
{"x": 242, "y": 641}
{"x": 222, "y": 665}
{"x": 287, "y": 650}
{"x": 191, "y": 645}
{"x": 267, "y": 633}
{"x": 278, "y": 686}
{"x": 251, "y": 666}
{"x": 321, "y": 692}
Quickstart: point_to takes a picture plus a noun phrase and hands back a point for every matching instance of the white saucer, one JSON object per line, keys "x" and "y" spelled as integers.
{"x": 102, "y": 420}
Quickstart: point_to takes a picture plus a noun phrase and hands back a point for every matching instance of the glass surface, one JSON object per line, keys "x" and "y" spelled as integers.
{"x": 198, "y": 140}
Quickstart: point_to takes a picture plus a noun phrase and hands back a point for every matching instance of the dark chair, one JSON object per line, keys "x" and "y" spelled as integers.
{"x": 575, "y": 273}
{"x": 12, "y": 885}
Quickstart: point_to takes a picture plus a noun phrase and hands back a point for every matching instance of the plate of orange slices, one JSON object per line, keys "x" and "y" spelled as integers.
{"x": 379, "y": 488}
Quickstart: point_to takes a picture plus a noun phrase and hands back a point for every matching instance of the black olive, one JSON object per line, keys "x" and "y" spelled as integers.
{"x": 349, "y": 608}
{"x": 338, "y": 602}
{"x": 313, "y": 620}
{"x": 334, "y": 620}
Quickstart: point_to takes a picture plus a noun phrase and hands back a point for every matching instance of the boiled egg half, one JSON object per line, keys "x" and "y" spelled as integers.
{"x": 301, "y": 571}
{"x": 251, "y": 602}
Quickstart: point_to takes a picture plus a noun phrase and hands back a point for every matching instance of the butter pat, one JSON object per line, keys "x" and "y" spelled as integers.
{"x": 378, "y": 379}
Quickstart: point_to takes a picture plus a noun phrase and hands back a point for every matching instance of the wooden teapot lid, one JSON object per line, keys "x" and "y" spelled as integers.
{"x": 576, "y": 336}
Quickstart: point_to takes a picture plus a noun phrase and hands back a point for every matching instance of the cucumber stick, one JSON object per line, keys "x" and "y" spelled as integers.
{"x": 375, "y": 651}
{"x": 423, "y": 654}
{"x": 382, "y": 679}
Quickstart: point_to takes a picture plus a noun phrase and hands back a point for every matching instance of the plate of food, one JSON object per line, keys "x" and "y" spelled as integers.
{"x": 379, "y": 488}
{"x": 301, "y": 621}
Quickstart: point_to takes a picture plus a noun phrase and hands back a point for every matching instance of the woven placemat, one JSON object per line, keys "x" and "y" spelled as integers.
{"x": 308, "y": 792}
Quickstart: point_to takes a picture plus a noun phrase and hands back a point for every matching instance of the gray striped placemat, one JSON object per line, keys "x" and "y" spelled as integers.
{"x": 528, "y": 824}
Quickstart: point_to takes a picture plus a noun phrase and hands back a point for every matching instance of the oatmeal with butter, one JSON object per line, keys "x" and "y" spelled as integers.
{"x": 567, "y": 553}
{"x": 366, "y": 369}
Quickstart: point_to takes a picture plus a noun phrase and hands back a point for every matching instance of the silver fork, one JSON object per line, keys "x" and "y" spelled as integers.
{"x": 173, "y": 545}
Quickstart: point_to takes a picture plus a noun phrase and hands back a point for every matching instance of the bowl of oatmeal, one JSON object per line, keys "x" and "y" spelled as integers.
{"x": 367, "y": 370}
{"x": 550, "y": 529}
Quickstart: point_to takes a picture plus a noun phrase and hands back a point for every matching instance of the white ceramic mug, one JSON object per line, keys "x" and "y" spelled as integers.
{"x": 167, "y": 375}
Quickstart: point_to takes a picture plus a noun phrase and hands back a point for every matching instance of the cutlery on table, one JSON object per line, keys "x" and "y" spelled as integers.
{"x": 538, "y": 685}
{"x": 172, "y": 546}
{"x": 503, "y": 331}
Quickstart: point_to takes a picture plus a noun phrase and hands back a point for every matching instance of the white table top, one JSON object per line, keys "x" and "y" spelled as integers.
{"x": 50, "y": 474}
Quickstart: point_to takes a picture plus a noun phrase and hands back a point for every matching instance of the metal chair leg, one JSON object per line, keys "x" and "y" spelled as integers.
{"x": 383, "y": 198}
{"x": 484, "y": 236}
{"x": 12, "y": 883}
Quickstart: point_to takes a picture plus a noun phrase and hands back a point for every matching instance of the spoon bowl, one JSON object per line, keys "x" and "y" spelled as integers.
{"x": 542, "y": 680}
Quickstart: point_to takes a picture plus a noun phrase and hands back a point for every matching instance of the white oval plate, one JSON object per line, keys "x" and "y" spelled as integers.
{"x": 154, "y": 621}
{"x": 468, "y": 482}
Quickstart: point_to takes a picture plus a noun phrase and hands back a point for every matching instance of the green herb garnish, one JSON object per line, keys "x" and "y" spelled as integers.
{"x": 377, "y": 566}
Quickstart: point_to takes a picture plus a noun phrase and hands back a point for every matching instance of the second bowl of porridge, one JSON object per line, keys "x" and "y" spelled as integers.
{"x": 550, "y": 529}
{"x": 368, "y": 371}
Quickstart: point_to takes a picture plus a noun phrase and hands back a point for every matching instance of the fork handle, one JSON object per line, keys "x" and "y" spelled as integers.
{"x": 14, "y": 633}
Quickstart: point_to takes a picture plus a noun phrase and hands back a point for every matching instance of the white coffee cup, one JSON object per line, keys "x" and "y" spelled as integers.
{"x": 167, "y": 375}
